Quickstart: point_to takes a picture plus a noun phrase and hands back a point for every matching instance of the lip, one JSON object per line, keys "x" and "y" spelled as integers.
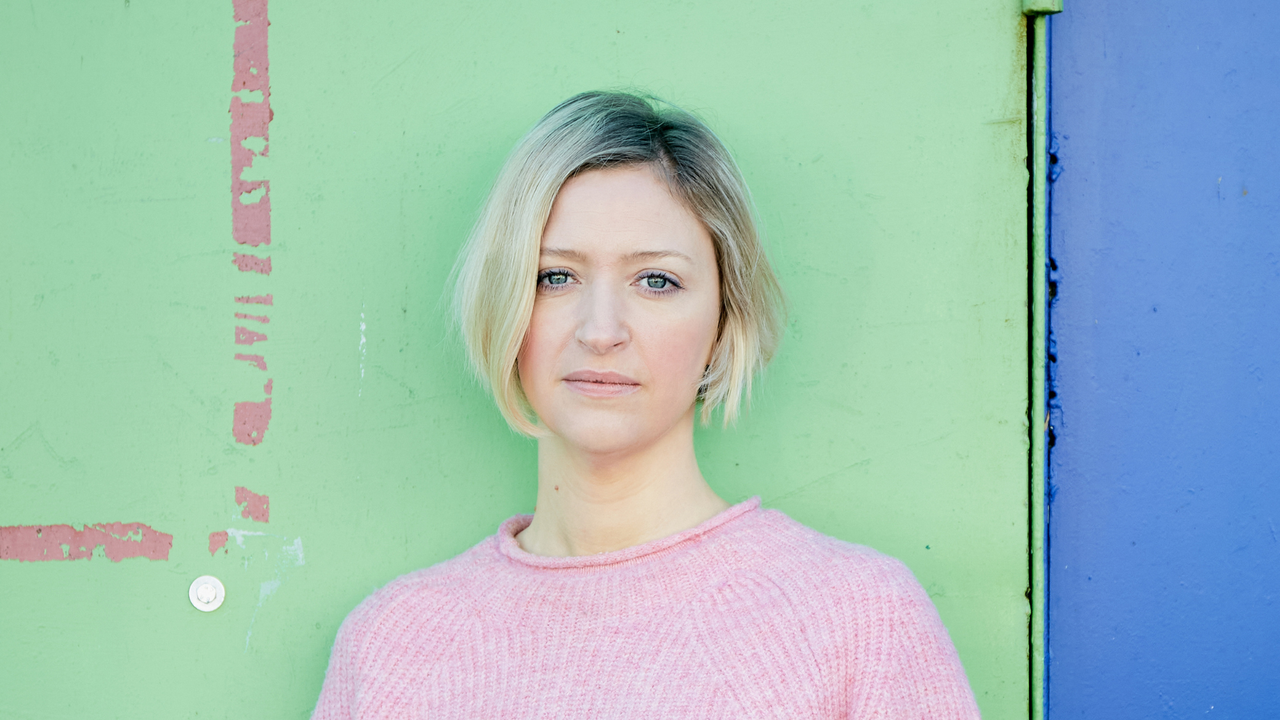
{"x": 593, "y": 383}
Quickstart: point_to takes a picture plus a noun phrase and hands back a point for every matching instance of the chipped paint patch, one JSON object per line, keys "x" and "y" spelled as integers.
{"x": 245, "y": 336}
{"x": 39, "y": 543}
{"x": 251, "y": 420}
{"x": 251, "y": 263}
{"x": 258, "y": 360}
{"x": 217, "y": 541}
{"x": 251, "y": 198}
{"x": 254, "y": 506}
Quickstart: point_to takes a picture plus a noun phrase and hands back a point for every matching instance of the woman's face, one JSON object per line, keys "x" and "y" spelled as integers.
{"x": 627, "y": 311}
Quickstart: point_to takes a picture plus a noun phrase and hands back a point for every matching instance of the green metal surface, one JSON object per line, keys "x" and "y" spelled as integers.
{"x": 883, "y": 141}
{"x": 1041, "y": 7}
{"x": 1038, "y": 410}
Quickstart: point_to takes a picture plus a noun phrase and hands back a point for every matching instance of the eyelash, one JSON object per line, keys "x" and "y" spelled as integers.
{"x": 673, "y": 285}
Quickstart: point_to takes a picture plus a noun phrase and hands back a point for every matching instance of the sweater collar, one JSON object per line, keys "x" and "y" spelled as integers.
{"x": 507, "y": 545}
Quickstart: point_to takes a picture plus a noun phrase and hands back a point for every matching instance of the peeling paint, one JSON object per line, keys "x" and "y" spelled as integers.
{"x": 255, "y": 507}
{"x": 245, "y": 336}
{"x": 38, "y": 543}
{"x": 217, "y": 541}
{"x": 251, "y": 116}
{"x": 250, "y": 422}
{"x": 250, "y": 223}
{"x": 255, "y": 359}
{"x": 252, "y": 263}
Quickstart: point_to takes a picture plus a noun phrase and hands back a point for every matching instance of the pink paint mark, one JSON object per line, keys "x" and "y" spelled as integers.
{"x": 251, "y": 263}
{"x": 37, "y": 543}
{"x": 267, "y": 388}
{"x": 250, "y": 223}
{"x": 250, "y": 422}
{"x": 217, "y": 540}
{"x": 256, "y": 506}
{"x": 255, "y": 359}
{"x": 245, "y": 336}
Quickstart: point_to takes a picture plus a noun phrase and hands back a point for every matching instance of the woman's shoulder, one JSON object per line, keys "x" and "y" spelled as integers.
{"x": 833, "y": 576}
{"x": 409, "y": 624}
{"x": 800, "y": 548}
{"x": 431, "y": 600}
{"x": 865, "y": 612}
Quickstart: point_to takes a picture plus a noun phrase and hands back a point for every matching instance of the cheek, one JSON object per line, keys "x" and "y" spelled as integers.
{"x": 538, "y": 362}
{"x": 678, "y": 352}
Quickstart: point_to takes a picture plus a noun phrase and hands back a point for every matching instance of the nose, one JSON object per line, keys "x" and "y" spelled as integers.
{"x": 602, "y": 327}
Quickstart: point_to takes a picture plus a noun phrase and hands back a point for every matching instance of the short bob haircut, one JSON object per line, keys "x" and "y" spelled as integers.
{"x": 498, "y": 268}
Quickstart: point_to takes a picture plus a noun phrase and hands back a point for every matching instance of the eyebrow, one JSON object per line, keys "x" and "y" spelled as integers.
{"x": 577, "y": 256}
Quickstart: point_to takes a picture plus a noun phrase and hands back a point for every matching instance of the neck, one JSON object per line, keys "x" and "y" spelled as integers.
{"x": 590, "y": 503}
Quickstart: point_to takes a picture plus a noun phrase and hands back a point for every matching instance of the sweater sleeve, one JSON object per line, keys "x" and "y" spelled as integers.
{"x": 341, "y": 679}
{"x": 904, "y": 664}
{"x": 387, "y": 649}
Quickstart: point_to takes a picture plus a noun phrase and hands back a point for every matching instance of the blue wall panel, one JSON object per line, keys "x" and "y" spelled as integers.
{"x": 1164, "y": 528}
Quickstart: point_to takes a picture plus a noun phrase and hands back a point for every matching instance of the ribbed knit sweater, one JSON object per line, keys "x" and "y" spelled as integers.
{"x": 748, "y": 615}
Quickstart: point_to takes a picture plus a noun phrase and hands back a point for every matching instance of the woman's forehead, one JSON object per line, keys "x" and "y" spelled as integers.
{"x": 622, "y": 213}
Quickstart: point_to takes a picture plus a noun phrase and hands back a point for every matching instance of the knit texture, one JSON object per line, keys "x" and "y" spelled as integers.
{"x": 748, "y": 615}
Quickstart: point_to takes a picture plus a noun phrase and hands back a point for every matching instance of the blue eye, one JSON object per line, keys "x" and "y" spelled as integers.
{"x": 659, "y": 283}
{"x": 553, "y": 278}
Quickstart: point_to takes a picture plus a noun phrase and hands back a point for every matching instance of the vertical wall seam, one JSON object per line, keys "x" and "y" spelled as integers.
{"x": 1038, "y": 102}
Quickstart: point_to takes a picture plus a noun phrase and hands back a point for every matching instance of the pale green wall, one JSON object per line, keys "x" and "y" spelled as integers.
{"x": 884, "y": 142}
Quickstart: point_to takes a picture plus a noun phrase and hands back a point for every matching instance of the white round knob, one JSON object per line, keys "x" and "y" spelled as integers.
{"x": 206, "y": 593}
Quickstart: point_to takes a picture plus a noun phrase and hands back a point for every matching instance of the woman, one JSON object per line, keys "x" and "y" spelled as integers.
{"x": 613, "y": 284}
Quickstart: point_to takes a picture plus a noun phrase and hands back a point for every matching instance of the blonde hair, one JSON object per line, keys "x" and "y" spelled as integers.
{"x": 498, "y": 267}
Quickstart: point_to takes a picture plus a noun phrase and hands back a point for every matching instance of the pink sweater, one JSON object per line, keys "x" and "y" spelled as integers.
{"x": 748, "y": 615}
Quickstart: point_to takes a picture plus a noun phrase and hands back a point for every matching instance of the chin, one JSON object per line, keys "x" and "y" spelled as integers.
{"x": 604, "y": 433}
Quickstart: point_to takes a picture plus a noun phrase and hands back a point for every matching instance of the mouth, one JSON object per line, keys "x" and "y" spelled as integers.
{"x": 591, "y": 383}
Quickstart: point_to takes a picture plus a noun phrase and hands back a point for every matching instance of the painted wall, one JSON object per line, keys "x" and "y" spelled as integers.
{"x": 884, "y": 142}
{"x": 1164, "y": 524}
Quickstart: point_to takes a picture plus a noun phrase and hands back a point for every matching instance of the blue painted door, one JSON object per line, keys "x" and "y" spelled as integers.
{"x": 1165, "y": 469}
